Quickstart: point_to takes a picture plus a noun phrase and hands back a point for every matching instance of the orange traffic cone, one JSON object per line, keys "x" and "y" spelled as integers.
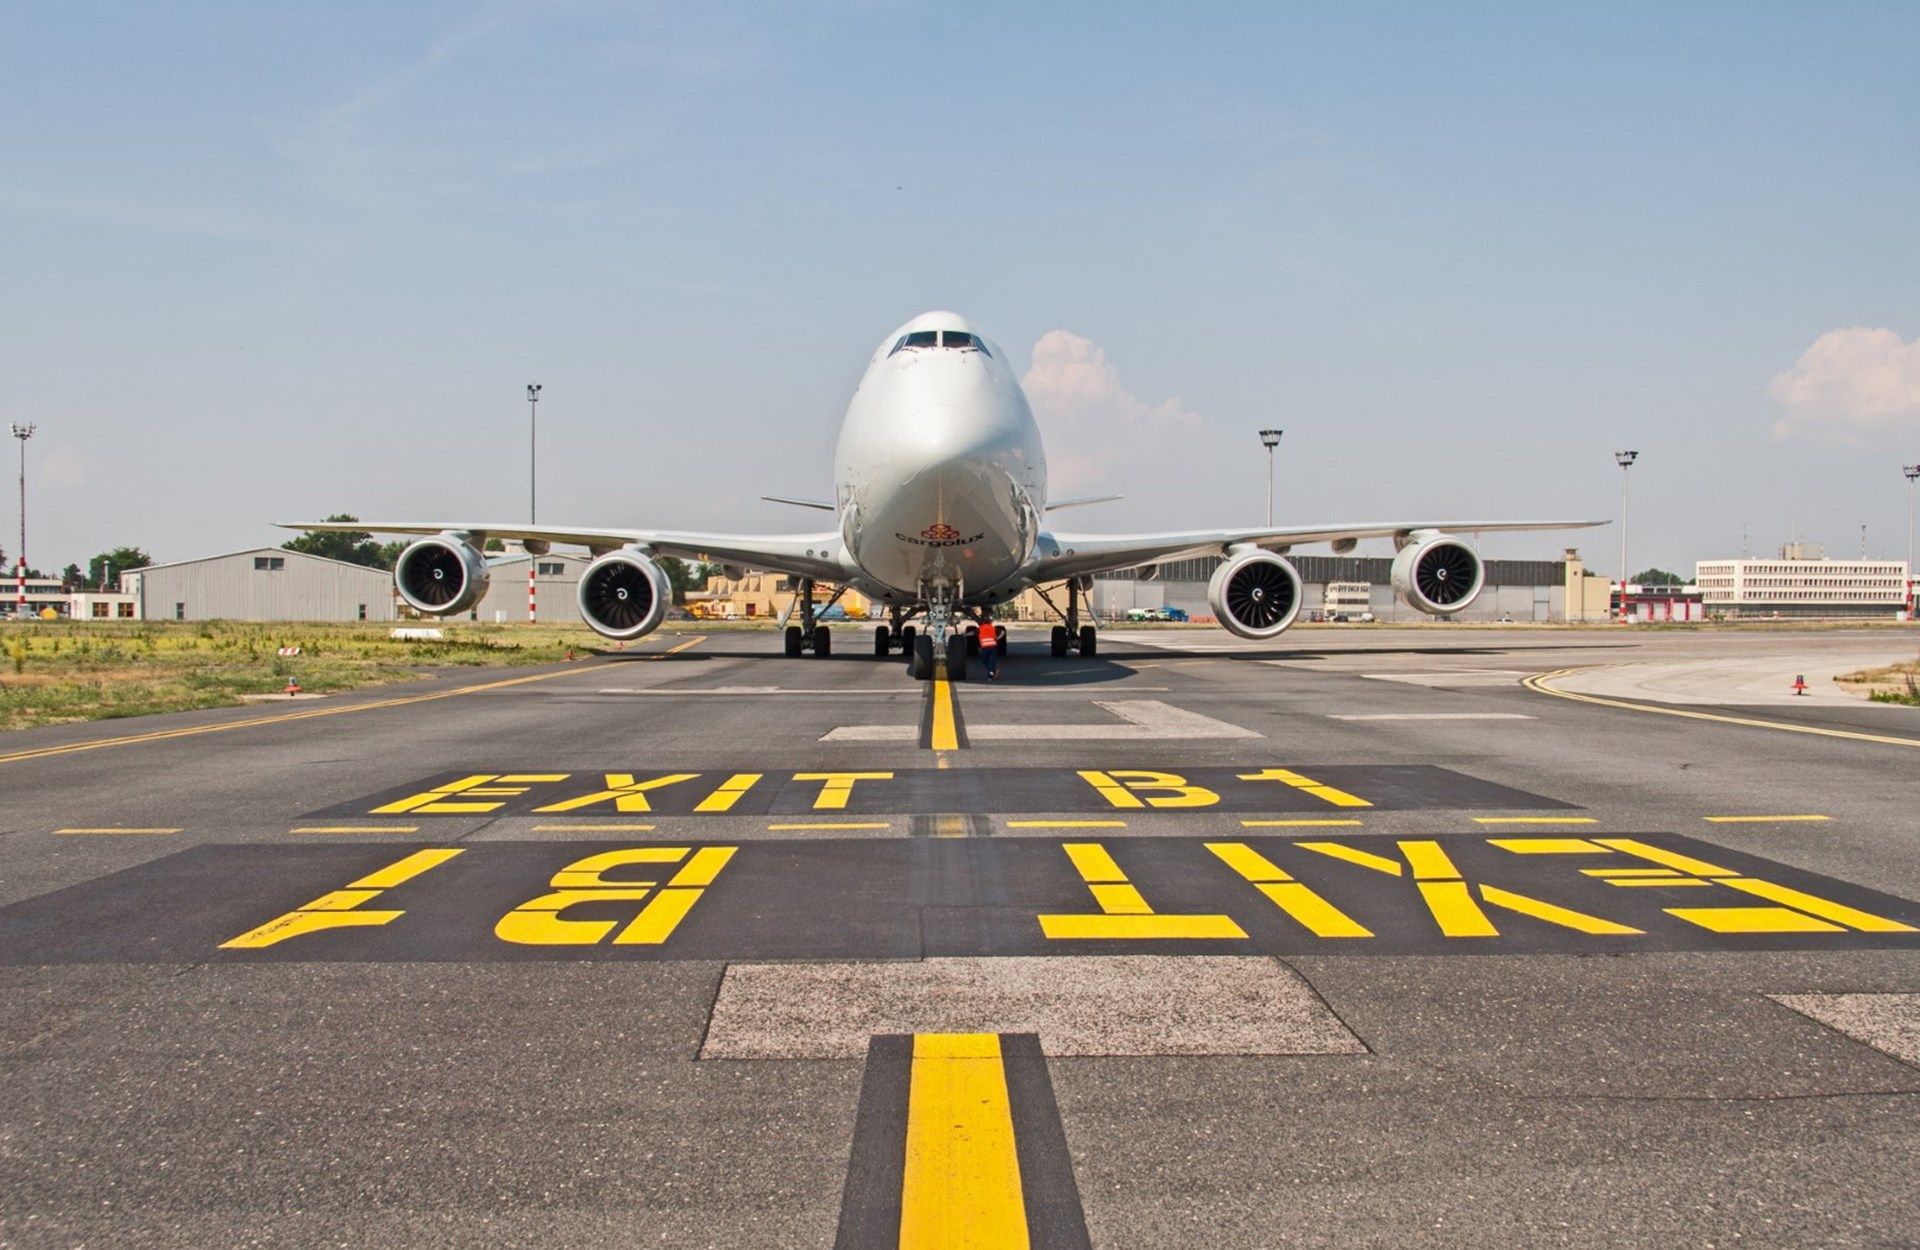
{"x": 293, "y": 686}
{"x": 1799, "y": 684}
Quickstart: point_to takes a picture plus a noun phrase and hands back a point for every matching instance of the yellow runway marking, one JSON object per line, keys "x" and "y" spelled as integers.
{"x": 945, "y": 737}
{"x": 1294, "y": 824}
{"x": 1758, "y": 820}
{"x": 357, "y": 829}
{"x": 108, "y": 829}
{"x": 881, "y": 824}
{"x": 694, "y": 641}
{"x": 1537, "y": 684}
{"x": 1066, "y": 824}
{"x": 1534, "y": 820}
{"x": 593, "y": 828}
{"x": 162, "y": 735}
{"x": 962, "y": 1179}
{"x": 1339, "y": 798}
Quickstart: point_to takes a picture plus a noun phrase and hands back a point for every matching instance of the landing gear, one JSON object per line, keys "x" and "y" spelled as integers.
{"x": 1057, "y": 644}
{"x": 882, "y": 641}
{"x": 957, "y": 651}
{"x": 796, "y": 640}
{"x": 822, "y": 641}
{"x": 920, "y": 658}
{"x": 973, "y": 640}
{"x": 1088, "y": 643}
{"x": 908, "y": 636}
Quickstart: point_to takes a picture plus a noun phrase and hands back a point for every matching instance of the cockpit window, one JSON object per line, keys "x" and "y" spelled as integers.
{"x": 959, "y": 339}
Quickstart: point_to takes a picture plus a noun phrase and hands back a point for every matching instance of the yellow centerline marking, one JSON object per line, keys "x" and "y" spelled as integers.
{"x": 881, "y": 824}
{"x": 161, "y": 735}
{"x": 1066, "y": 824}
{"x": 945, "y": 736}
{"x": 1758, "y": 820}
{"x": 113, "y": 829}
{"x": 1535, "y": 820}
{"x": 693, "y": 641}
{"x": 1294, "y": 824}
{"x": 614, "y": 828}
{"x": 1537, "y": 684}
{"x": 962, "y": 1178}
{"x": 358, "y": 829}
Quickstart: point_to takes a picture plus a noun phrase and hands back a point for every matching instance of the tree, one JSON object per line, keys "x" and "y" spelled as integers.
{"x": 350, "y": 546}
{"x": 1658, "y": 577}
{"x": 104, "y": 570}
{"x": 678, "y": 576}
{"x": 72, "y": 578}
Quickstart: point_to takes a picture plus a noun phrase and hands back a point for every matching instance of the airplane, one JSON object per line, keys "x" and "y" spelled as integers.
{"x": 940, "y": 494}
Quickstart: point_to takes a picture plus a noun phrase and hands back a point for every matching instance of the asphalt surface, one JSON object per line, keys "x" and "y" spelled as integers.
{"x": 1352, "y": 938}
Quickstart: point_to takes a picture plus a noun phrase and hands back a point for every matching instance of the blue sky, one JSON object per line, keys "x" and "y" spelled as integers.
{"x": 279, "y": 260}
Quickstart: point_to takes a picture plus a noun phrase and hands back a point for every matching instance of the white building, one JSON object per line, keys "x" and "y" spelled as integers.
{"x": 1795, "y": 586}
{"x": 261, "y": 584}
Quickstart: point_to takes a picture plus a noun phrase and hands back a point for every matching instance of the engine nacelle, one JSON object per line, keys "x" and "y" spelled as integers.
{"x": 440, "y": 576}
{"x": 1437, "y": 573}
{"x": 624, "y": 595}
{"x": 1255, "y": 594}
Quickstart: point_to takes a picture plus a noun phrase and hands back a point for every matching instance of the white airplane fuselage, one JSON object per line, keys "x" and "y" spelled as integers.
{"x": 940, "y": 479}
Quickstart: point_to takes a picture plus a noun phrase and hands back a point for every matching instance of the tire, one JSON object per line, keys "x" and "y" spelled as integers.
{"x": 920, "y": 658}
{"x": 973, "y": 642}
{"x": 957, "y": 652}
{"x": 1000, "y": 642}
{"x": 822, "y": 641}
{"x": 881, "y": 641}
{"x": 907, "y": 635}
{"x": 794, "y": 638}
{"x": 1088, "y": 646}
{"x": 1058, "y": 642}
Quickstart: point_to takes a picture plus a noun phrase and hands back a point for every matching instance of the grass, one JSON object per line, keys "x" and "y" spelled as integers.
{"x": 59, "y": 672}
{"x": 1895, "y": 683}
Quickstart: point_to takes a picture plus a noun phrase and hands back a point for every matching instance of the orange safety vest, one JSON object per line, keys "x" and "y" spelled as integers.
{"x": 989, "y": 633}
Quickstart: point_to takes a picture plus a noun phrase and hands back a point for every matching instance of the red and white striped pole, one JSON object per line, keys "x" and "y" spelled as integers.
{"x": 23, "y": 433}
{"x": 533, "y": 609}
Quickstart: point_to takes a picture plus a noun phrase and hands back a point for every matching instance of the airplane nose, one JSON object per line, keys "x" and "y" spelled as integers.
{"x": 940, "y": 435}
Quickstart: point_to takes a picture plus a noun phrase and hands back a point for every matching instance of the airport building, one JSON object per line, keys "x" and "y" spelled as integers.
{"x": 261, "y": 584}
{"x": 1801, "y": 582}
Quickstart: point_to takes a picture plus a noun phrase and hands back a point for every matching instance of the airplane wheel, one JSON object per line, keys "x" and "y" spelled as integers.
{"x": 1087, "y": 644}
{"x": 957, "y": 652}
{"x": 794, "y": 639}
{"x": 880, "y": 641}
{"x": 973, "y": 642}
{"x": 1058, "y": 643}
{"x": 921, "y": 659}
{"x": 907, "y": 635}
{"x": 1000, "y": 643}
{"x": 822, "y": 640}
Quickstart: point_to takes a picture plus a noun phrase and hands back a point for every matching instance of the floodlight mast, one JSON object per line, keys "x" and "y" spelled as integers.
{"x": 1270, "y": 439}
{"x": 1625, "y": 460}
{"x": 23, "y": 433}
{"x": 533, "y": 453}
{"x": 1912, "y": 472}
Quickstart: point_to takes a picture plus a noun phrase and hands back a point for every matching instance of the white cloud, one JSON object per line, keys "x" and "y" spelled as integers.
{"x": 1851, "y": 381}
{"x": 1095, "y": 427}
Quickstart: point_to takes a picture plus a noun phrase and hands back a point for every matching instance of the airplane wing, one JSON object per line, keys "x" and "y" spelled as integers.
{"x": 1077, "y": 554}
{"x": 803, "y": 555}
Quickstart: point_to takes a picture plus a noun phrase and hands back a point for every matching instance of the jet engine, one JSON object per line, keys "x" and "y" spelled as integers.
{"x": 624, "y": 594}
{"x": 1255, "y": 594}
{"x": 440, "y": 576}
{"x": 1437, "y": 573}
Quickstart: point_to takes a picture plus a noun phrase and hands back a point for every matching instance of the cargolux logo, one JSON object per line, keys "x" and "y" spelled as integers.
{"x": 940, "y": 534}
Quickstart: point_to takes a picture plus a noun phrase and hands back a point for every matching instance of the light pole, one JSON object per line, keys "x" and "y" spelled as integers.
{"x": 533, "y": 452}
{"x": 1270, "y": 439}
{"x": 1625, "y": 460}
{"x": 1912, "y": 471}
{"x": 23, "y": 433}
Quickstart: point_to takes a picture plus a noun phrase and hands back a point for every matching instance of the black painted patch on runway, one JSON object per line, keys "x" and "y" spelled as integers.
{"x": 1136, "y": 786}
{"x": 919, "y": 897}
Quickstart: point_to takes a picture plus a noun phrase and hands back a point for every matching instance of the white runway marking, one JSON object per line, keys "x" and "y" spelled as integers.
{"x": 1145, "y": 720}
{"x": 757, "y": 691}
{"x": 1458, "y": 677}
{"x": 1437, "y": 716}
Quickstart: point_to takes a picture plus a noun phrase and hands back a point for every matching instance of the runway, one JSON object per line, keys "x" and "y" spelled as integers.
{"x": 1363, "y": 935}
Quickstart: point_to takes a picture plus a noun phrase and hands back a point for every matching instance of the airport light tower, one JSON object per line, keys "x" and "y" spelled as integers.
{"x": 533, "y": 452}
{"x": 1270, "y": 439}
{"x": 23, "y": 433}
{"x": 1913, "y": 472}
{"x": 1625, "y": 460}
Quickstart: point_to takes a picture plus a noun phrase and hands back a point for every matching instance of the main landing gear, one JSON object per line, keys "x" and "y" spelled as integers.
{"x": 1065, "y": 637}
{"x": 809, "y": 635}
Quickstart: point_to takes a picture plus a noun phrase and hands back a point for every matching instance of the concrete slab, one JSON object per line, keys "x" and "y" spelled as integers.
{"x": 1123, "y": 1005}
{"x": 1890, "y": 1023}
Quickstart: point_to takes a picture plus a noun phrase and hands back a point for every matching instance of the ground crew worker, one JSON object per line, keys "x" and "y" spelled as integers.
{"x": 990, "y": 646}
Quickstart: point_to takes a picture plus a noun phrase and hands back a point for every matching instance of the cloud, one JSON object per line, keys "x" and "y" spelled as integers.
{"x": 1850, "y": 382}
{"x": 1096, "y": 428}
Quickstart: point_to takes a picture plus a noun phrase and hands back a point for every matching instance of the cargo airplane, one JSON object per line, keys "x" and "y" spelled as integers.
{"x": 940, "y": 498}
